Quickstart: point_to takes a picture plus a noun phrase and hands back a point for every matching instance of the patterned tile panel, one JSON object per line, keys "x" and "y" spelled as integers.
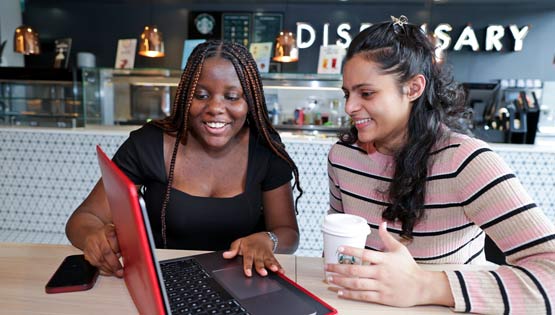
{"x": 536, "y": 171}
{"x": 311, "y": 160}
{"x": 46, "y": 174}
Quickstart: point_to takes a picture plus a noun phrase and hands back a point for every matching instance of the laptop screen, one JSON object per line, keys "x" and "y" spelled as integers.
{"x": 141, "y": 274}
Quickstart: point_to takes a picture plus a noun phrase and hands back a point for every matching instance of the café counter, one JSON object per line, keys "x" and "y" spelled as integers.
{"x": 47, "y": 172}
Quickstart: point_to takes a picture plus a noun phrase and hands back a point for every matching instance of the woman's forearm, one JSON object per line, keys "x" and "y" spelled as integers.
{"x": 80, "y": 225}
{"x": 436, "y": 289}
{"x": 288, "y": 240}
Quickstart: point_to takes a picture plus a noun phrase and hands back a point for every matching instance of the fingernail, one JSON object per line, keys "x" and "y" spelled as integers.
{"x": 340, "y": 249}
{"x": 340, "y": 293}
{"x": 249, "y": 272}
{"x": 330, "y": 279}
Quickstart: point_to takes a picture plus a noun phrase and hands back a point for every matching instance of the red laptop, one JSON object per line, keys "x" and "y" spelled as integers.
{"x": 200, "y": 284}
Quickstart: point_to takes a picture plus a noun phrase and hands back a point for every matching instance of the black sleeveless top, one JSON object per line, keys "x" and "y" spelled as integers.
{"x": 201, "y": 223}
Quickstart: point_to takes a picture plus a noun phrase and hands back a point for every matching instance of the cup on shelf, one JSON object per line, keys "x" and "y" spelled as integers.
{"x": 86, "y": 60}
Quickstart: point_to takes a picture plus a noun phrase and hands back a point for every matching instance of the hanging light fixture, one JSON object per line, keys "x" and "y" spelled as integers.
{"x": 152, "y": 41}
{"x": 286, "y": 45}
{"x": 26, "y": 41}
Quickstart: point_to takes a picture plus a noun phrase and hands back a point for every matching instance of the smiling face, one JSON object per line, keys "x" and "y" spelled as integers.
{"x": 219, "y": 110}
{"x": 376, "y": 105}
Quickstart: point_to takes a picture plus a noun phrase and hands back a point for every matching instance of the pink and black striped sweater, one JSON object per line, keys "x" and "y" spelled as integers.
{"x": 470, "y": 191}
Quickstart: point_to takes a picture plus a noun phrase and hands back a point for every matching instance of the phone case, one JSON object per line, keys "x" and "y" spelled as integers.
{"x": 73, "y": 274}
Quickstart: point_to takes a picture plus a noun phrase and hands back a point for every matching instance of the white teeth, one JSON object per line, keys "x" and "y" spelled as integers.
{"x": 216, "y": 124}
{"x": 362, "y": 121}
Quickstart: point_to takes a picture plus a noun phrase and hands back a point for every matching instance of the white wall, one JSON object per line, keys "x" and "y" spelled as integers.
{"x": 10, "y": 19}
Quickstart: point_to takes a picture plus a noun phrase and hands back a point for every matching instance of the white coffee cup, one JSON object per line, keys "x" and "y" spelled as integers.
{"x": 86, "y": 60}
{"x": 343, "y": 229}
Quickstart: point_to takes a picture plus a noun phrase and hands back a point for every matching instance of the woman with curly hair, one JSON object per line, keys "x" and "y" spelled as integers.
{"x": 429, "y": 191}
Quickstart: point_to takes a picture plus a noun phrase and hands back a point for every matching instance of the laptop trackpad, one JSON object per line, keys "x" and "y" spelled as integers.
{"x": 235, "y": 281}
{"x": 261, "y": 295}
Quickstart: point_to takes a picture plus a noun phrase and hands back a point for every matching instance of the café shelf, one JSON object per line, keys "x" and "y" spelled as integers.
{"x": 305, "y": 103}
{"x": 128, "y": 97}
{"x": 41, "y": 97}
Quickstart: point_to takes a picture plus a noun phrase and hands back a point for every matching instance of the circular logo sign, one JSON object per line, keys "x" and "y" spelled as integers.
{"x": 205, "y": 23}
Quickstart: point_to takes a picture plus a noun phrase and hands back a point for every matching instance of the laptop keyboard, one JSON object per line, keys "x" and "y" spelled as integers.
{"x": 191, "y": 290}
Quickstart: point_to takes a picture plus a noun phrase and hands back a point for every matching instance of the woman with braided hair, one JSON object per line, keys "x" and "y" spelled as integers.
{"x": 214, "y": 174}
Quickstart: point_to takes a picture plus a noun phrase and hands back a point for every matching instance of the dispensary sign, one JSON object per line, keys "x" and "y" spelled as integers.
{"x": 443, "y": 33}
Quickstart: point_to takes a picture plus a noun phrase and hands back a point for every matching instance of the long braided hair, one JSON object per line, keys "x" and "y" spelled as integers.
{"x": 405, "y": 51}
{"x": 176, "y": 124}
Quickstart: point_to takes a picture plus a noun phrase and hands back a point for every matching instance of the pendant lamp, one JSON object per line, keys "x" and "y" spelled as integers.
{"x": 26, "y": 41}
{"x": 286, "y": 45}
{"x": 152, "y": 42}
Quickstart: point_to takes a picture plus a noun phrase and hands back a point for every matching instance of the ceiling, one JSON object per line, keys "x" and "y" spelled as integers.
{"x": 344, "y": 2}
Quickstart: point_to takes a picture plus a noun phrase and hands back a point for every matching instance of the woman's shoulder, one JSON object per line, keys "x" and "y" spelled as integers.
{"x": 146, "y": 131}
{"x": 459, "y": 151}
{"x": 340, "y": 148}
{"x": 260, "y": 144}
{"x": 460, "y": 144}
{"x": 147, "y": 128}
{"x": 145, "y": 140}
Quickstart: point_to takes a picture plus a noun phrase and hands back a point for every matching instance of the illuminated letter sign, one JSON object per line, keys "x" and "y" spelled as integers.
{"x": 301, "y": 26}
{"x": 468, "y": 37}
{"x": 326, "y": 34}
{"x": 442, "y": 34}
{"x": 343, "y": 32}
{"x": 518, "y": 35}
{"x": 494, "y": 33}
{"x": 493, "y": 40}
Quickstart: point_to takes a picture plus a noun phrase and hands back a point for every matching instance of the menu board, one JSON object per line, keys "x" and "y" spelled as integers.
{"x": 266, "y": 26}
{"x": 236, "y": 27}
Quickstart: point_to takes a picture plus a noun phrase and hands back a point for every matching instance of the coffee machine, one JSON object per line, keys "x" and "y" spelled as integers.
{"x": 502, "y": 114}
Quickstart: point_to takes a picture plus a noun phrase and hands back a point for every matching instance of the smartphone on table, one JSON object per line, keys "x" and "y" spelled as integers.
{"x": 75, "y": 273}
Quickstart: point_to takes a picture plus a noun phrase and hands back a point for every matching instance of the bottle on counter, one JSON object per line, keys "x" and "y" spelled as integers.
{"x": 317, "y": 113}
{"x": 335, "y": 116}
{"x": 311, "y": 112}
{"x": 317, "y": 118}
{"x": 299, "y": 116}
{"x": 275, "y": 114}
{"x": 326, "y": 118}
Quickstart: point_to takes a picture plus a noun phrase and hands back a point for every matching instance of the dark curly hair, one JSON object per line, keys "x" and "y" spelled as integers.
{"x": 405, "y": 51}
{"x": 176, "y": 123}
